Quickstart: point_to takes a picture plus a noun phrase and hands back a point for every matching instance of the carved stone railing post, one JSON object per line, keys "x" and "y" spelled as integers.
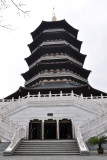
{"x": 19, "y": 98}
{"x": 101, "y": 96}
{"x": 60, "y": 93}
{"x": 50, "y": 94}
{"x": 81, "y": 96}
{"x": 72, "y": 94}
{"x": 91, "y": 96}
{"x": 28, "y": 95}
{"x": 12, "y": 99}
{"x": 38, "y": 95}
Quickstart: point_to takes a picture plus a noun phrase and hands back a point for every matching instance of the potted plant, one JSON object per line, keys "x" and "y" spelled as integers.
{"x": 98, "y": 141}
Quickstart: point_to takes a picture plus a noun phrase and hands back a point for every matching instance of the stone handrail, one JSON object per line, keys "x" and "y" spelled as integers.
{"x": 15, "y": 140}
{"x": 13, "y": 105}
{"x": 7, "y": 128}
{"x": 81, "y": 144}
{"x": 19, "y": 134}
{"x": 94, "y": 127}
{"x": 94, "y": 122}
{"x": 5, "y": 134}
{"x": 39, "y": 95}
{"x": 90, "y": 105}
{"x": 86, "y": 103}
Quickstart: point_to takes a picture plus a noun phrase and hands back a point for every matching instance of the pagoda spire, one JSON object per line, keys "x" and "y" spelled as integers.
{"x": 53, "y": 17}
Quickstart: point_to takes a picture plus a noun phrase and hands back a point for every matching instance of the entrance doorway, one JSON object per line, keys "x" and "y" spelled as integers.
{"x": 35, "y": 129}
{"x": 65, "y": 129}
{"x": 50, "y": 129}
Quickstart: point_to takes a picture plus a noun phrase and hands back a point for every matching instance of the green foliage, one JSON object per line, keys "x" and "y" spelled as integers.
{"x": 97, "y": 140}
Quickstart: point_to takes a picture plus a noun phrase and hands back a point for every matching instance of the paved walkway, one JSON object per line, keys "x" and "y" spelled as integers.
{"x": 93, "y": 156}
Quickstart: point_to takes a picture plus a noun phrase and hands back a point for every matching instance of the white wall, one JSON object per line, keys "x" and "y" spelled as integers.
{"x": 24, "y": 116}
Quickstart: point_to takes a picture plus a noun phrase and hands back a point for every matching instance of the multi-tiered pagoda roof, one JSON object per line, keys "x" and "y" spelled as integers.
{"x": 55, "y": 63}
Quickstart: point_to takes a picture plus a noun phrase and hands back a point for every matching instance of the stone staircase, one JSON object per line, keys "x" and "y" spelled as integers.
{"x": 50, "y": 147}
{"x": 7, "y": 129}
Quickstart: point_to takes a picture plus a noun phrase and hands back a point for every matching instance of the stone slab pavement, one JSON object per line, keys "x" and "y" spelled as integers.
{"x": 93, "y": 156}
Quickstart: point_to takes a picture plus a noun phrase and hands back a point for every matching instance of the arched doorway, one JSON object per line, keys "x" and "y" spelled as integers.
{"x": 65, "y": 129}
{"x": 50, "y": 131}
{"x": 35, "y": 130}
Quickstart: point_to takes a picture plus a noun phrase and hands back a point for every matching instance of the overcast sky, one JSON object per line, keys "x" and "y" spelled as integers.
{"x": 89, "y": 16}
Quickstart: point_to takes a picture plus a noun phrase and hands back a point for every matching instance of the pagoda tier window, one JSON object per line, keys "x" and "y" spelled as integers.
{"x": 51, "y": 71}
{"x": 52, "y": 54}
{"x": 56, "y": 54}
{"x": 68, "y": 70}
{"x": 58, "y": 70}
{"x": 51, "y": 80}
{"x": 41, "y": 72}
{"x": 64, "y": 79}
{"x": 64, "y": 70}
{"x": 46, "y": 54}
{"x": 46, "y": 71}
{"x": 58, "y": 80}
{"x": 45, "y": 80}
{"x": 55, "y": 71}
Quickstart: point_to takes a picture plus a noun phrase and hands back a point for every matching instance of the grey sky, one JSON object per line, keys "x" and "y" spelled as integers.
{"x": 89, "y": 16}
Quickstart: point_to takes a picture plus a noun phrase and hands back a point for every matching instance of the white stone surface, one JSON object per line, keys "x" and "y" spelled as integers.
{"x": 78, "y": 109}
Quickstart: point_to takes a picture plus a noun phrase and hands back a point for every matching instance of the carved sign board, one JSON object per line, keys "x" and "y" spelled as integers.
{"x": 49, "y": 114}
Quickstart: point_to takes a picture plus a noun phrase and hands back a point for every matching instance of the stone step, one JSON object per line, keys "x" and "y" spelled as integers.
{"x": 44, "y": 153}
{"x": 47, "y": 145}
{"x": 37, "y": 147}
{"x": 52, "y": 147}
{"x": 49, "y": 141}
{"x": 42, "y": 150}
{"x": 47, "y": 149}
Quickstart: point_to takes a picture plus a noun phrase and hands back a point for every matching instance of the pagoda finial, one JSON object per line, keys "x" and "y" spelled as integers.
{"x": 53, "y": 17}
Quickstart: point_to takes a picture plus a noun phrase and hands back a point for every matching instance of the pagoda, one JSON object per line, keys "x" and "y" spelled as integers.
{"x": 55, "y": 59}
{"x": 57, "y": 102}
{"x": 56, "y": 63}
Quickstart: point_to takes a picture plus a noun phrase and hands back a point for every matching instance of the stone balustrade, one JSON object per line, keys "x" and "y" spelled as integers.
{"x": 10, "y": 106}
{"x": 18, "y": 135}
{"x": 81, "y": 144}
{"x": 7, "y": 129}
{"x": 15, "y": 140}
{"x": 94, "y": 127}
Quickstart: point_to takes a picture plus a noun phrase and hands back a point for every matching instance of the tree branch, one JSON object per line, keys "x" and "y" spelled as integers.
{"x": 4, "y": 4}
{"x": 6, "y": 27}
{"x": 19, "y": 8}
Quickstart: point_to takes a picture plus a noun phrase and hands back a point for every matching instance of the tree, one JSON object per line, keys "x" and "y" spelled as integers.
{"x": 98, "y": 141}
{"x": 5, "y": 4}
